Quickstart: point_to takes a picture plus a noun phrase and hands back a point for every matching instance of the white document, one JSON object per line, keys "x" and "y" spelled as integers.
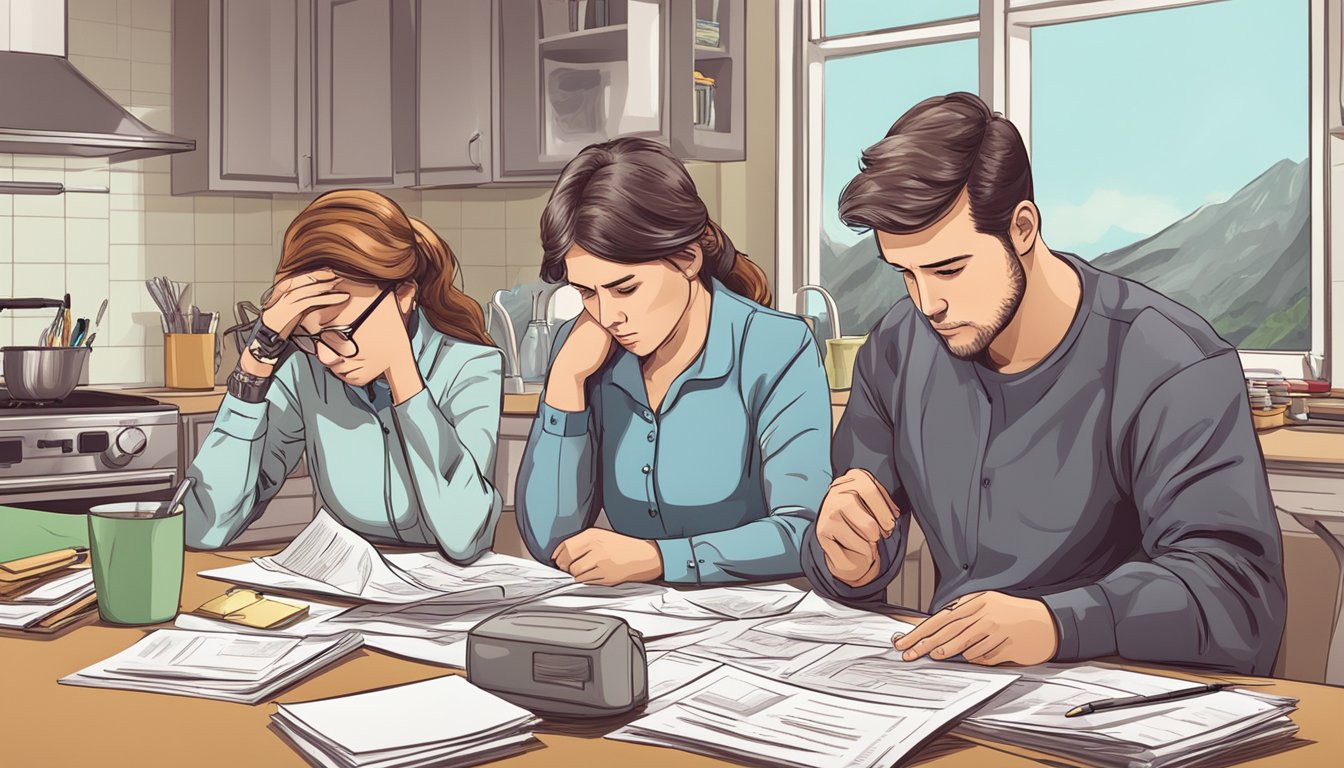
{"x": 755, "y": 602}
{"x": 880, "y": 674}
{"x": 742, "y": 644}
{"x": 444, "y": 720}
{"x": 816, "y": 618}
{"x": 742, "y": 716}
{"x": 63, "y": 590}
{"x": 515, "y": 577}
{"x": 444, "y": 651}
{"x": 22, "y": 613}
{"x": 672, "y": 670}
{"x": 639, "y": 605}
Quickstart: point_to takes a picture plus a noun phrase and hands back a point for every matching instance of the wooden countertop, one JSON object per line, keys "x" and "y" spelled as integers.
{"x": 207, "y": 401}
{"x": 51, "y": 724}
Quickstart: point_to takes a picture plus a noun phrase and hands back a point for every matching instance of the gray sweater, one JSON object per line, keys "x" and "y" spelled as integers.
{"x": 1119, "y": 480}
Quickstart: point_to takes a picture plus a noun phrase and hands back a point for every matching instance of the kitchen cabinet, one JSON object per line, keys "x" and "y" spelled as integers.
{"x": 454, "y": 52}
{"x": 293, "y": 95}
{"x": 292, "y": 507}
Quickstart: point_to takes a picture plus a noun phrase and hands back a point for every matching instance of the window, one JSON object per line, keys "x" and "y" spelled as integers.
{"x": 1191, "y": 162}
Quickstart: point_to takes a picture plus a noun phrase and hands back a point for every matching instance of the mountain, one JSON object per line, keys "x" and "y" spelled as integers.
{"x": 1244, "y": 264}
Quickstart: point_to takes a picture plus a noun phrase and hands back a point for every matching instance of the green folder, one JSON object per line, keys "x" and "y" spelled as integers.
{"x": 25, "y": 532}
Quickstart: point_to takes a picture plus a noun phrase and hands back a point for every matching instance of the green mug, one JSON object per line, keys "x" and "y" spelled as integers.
{"x": 137, "y": 562}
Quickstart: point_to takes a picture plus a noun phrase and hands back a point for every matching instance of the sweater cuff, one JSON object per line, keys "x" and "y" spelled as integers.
{"x": 679, "y": 563}
{"x": 1085, "y": 622}
{"x": 241, "y": 419}
{"x": 563, "y": 423}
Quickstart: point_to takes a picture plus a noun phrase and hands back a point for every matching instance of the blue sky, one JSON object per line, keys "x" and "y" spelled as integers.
{"x": 1136, "y": 120}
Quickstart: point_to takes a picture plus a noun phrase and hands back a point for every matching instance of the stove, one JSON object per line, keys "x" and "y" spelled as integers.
{"x": 93, "y": 447}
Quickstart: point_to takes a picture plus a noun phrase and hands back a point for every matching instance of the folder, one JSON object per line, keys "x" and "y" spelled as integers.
{"x": 36, "y": 565}
{"x": 251, "y": 608}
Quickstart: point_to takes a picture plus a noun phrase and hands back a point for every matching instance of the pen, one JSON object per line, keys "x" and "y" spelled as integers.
{"x": 1132, "y": 701}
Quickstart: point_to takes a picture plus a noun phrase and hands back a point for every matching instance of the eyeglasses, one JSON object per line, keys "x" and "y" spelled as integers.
{"x": 339, "y": 339}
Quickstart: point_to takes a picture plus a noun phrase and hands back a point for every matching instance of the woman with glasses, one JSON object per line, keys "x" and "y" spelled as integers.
{"x": 369, "y": 361}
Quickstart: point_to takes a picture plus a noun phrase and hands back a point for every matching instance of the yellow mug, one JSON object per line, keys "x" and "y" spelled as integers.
{"x": 840, "y": 356}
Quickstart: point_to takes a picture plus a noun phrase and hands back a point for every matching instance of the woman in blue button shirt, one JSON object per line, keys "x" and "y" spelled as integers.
{"x": 393, "y": 393}
{"x": 695, "y": 417}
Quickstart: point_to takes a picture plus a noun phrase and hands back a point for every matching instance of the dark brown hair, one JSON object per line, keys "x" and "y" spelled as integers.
{"x": 631, "y": 201}
{"x": 364, "y": 236}
{"x": 911, "y": 179}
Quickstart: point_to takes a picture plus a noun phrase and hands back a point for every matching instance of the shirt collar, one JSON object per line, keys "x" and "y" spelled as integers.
{"x": 727, "y": 316}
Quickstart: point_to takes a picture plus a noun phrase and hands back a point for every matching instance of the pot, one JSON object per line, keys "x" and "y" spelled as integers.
{"x": 43, "y": 374}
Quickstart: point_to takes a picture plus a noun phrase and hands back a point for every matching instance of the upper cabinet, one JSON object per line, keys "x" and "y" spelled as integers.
{"x": 293, "y": 95}
{"x": 309, "y": 95}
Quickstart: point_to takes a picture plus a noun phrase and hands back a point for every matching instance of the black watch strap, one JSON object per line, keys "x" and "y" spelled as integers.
{"x": 265, "y": 344}
{"x": 248, "y": 388}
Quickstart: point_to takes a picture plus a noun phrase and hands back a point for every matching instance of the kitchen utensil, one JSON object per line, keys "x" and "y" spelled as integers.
{"x": 513, "y": 380}
{"x": 171, "y": 507}
{"x": 43, "y": 374}
{"x": 65, "y": 327}
{"x": 54, "y": 330}
{"x": 535, "y": 351}
{"x": 81, "y": 328}
{"x": 98, "y": 321}
{"x": 137, "y": 561}
{"x": 841, "y": 351}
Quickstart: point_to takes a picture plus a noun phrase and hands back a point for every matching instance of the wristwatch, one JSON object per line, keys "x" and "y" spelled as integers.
{"x": 265, "y": 344}
{"x": 246, "y": 387}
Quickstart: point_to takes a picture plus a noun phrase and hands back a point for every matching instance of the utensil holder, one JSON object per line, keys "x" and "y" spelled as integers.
{"x": 190, "y": 360}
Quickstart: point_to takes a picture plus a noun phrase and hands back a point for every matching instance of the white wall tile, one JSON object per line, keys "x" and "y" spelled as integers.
{"x": 215, "y": 297}
{"x": 6, "y": 247}
{"x": 214, "y": 263}
{"x": 250, "y": 291}
{"x": 523, "y": 247}
{"x": 87, "y": 205}
{"x": 254, "y": 263}
{"x": 439, "y": 209}
{"x": 6, "y": 330}
{"x": 41, "y": 280}
{"x": 92, "y": 38}
{"x": 86, "y": 241}
{"x": 87, "y": 286}
{"x": 29, "y": 326}
{"x": 252, "y": 221}
{"x": 107, "y": 74}
{"x": 482, "y": 282}
{"x": 125, "y": 182}
{"x": 150, "y": 77}
{"x": 39, "y": 205}
{"x": 214, "y": 228}
{"x": 485, "y": 209}
{"x": 39, "y": 240}
{"x": 123, "y": 11}
{"x": 169, "y": 227}
{"x": 152, "y": 14}
{"x": 150, "y": 46}
{"x": 482, "y": 247}
{"x": 157, "y": 183}
{"x": 123, "y": 42}
{"x": 93, "y": 10}
{"x": 130, "y": 314}
{"x": 117, "y": 365}
{"x": 43, "y": 162}
{"x": 126, "y": 227}
{"x": 525, "y": 209}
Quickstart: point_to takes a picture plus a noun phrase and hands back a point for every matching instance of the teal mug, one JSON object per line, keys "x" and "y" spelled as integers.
{"x": 137, "y": 562}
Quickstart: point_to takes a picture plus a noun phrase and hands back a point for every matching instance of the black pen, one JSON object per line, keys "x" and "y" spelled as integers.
{"x": 1131, "y": 701}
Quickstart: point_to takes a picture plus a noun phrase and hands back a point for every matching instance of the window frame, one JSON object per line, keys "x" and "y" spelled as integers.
{"x": 1003, "y": 29}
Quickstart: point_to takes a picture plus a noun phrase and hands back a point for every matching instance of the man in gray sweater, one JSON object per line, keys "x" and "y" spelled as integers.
{"x": 1076, "y": 447}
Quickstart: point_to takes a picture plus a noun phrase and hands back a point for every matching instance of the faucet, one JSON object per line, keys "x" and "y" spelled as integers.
{"x": 830, "y": 306}
{"x": 513, "y": 379}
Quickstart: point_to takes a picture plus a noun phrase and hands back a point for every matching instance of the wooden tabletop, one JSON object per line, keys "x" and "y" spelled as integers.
{"x": 45, "y": 723}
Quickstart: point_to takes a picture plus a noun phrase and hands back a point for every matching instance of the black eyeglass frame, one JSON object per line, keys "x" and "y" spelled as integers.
{"x": 307, "y": 342}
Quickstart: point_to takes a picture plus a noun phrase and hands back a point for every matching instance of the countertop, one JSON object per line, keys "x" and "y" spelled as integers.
{"x": 1296, "y": 446}
{"x": 52, "y": 724}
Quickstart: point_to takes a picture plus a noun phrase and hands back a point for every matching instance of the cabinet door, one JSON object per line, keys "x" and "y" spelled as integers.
{"x": 262, "y": 113}
{"x": 455, "y": 50}
{"x": 361, "y": 82}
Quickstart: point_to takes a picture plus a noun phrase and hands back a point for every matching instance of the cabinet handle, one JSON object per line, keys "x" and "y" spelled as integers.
{"x": 308, "y": 163}
{"x": 474, "y": 157}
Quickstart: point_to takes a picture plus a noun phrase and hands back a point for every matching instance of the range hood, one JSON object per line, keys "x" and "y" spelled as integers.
{"x": 48, "y": 108}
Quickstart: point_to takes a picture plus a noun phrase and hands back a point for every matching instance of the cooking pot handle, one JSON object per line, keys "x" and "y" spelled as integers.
{"x": 30, "y": 304}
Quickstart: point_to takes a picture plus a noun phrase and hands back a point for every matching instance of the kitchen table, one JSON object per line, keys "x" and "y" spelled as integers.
{"x": 45, "y": 723}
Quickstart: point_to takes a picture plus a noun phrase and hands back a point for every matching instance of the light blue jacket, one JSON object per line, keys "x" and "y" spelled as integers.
{"x": 725, "y": 478}
{"x": 418, "y": 473}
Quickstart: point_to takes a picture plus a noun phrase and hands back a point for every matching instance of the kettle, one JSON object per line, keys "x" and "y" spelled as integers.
{"x": 841, "y": 351}
{"x": 526, "y": 364}
{"x": 513, "y": 380}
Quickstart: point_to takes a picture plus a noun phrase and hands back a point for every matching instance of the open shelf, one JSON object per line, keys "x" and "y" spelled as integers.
{"x": 587, "y": 45}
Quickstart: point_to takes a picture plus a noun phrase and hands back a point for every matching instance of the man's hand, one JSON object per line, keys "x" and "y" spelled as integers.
{"x": 856, "y": 514}
{"x": 599, "y": 556}
{"x": 985, "y": 628}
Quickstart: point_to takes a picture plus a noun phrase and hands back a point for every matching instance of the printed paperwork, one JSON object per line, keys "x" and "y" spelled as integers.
{"x": 442, "y": 721}
{"x": 52, "y": 604}
{"x": 244, "y": 668}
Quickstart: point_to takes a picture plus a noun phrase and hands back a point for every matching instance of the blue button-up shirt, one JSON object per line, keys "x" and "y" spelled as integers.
{"x": 725, "y": 477}
{"x": 416, "y": 473}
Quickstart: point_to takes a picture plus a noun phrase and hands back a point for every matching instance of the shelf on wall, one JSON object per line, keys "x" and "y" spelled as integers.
{"x": 702, "y": 53}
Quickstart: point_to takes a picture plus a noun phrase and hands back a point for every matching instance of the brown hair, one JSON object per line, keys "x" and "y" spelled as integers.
{"x": 364, "y": 236}
{"x": 631, "y": 200}
{"x": 911, "y": 179}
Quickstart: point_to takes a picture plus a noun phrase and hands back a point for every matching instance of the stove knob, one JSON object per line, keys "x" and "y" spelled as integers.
{"x": 130, "y": 442}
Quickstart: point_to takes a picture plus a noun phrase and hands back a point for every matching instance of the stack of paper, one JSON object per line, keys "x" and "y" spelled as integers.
{"x": 51, "y": 604}
{"x": 245, "y": 668}
{"x": 446, "y": 720}
{"x": 739, "y": 715}
{"x": 1227, "y": 724}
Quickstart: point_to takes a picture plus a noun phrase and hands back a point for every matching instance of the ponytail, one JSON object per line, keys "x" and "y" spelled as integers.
{"x": 448, "y": 309}
{"x": 732, "y": 268}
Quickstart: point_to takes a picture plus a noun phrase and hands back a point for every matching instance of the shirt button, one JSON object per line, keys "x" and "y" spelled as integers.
{"x": 965, "y": 567}
{"x": 648, "y": 416}
{"x": 702, "y": 562}
{"x": 984, "y": 482}
{"x": 690, "y": 564}
{"x": 653, "y": 512}
{"x": 650, "y": 437}
{"x": 646, "y": 469}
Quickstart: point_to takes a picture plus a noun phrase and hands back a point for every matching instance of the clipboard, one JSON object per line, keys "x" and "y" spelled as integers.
{"x": 250, "y": 608}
